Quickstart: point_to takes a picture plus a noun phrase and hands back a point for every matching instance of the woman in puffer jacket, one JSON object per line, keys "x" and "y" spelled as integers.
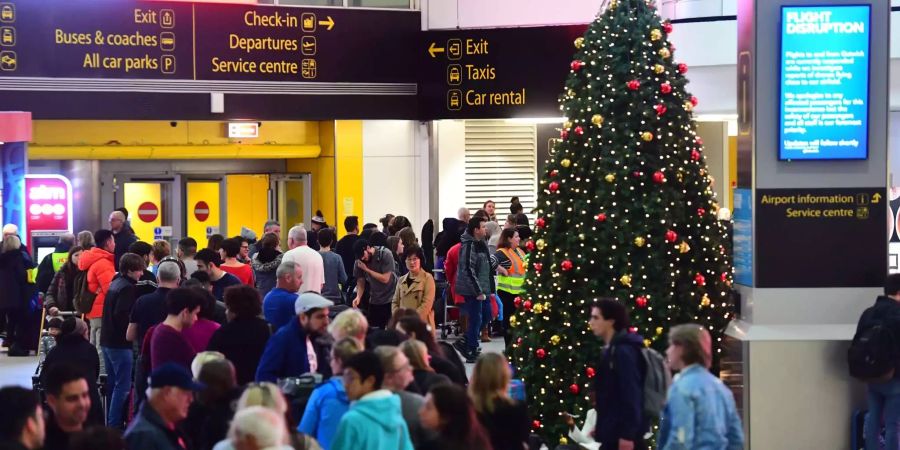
{"x": 265, "y": 262}
{"x": 61, "y": 292}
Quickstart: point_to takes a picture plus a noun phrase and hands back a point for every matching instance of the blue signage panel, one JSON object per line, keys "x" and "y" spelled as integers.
{"x": 743, "y": 236}
{"x": 824, "y": 103}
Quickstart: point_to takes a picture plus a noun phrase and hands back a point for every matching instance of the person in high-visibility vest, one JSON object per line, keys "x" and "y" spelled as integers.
{"x": 511, "y": 274}
{"x": 53, "y": 262}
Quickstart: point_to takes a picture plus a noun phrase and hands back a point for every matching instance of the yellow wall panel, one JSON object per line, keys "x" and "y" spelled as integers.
{"x": 348, "y": 171}
{"x": 248, "y": 203}
{"x": 136, "y": 194}
{"x": 206, "y": 191}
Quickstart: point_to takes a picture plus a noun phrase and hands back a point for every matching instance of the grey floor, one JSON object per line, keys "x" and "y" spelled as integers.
{"x": 17, "y": 370}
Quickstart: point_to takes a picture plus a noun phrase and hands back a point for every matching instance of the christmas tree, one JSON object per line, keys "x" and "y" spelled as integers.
{"x": 626, "y": 210}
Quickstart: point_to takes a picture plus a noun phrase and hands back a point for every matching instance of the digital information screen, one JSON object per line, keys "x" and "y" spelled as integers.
{"x": 824, "y": 105}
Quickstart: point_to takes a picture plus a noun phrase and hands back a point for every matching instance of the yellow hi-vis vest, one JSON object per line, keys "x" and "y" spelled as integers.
{"x": 513, "y": 282}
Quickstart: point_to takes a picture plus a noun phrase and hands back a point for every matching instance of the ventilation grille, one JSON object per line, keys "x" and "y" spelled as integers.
{"x": 500, "y": 164}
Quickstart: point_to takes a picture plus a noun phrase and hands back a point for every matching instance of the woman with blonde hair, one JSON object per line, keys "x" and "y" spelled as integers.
{"x": 424, "y": 376}
{"x": 267, "y": 395}
{"x": 700, "y": 410}
{"x": 505, "y": 419}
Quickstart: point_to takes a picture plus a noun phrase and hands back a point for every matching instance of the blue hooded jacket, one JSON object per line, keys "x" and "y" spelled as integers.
{"x": 374, "y": 422}
{"x": 285, "y": 355}
{"x": 324, "y": 411}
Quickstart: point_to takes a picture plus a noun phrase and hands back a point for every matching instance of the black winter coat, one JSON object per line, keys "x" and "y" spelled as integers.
{"x": 76, "y": 350}
{"x": 14, "y": 288}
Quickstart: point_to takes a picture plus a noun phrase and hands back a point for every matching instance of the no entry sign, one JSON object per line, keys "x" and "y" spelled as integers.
{"x": 201, "y": 211}
{"x": 148, "y": 212}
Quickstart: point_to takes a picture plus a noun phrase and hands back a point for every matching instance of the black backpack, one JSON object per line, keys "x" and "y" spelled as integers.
{"x": 872, "y": 356}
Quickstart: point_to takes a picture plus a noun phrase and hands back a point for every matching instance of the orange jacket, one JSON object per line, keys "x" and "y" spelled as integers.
{"x": 101, "y": 269}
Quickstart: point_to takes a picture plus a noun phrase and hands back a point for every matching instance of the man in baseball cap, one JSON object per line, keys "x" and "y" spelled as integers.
{"x": 295, "y": 350}
{"x": 171, "y": 393}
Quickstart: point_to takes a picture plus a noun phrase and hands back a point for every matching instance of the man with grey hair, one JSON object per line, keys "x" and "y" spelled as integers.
{"x": 53, "y": 262}
{"x": 257, "y": 427}
{"x": 149, "y": 310}
{"x": 463, "y": 214}
{"x": 122, "y": 234}
{"x": 309, "y": 260}
{"x": 278, "y": 306}
{"x": 271, "y": 226}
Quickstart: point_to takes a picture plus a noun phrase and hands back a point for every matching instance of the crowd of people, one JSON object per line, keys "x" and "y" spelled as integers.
{"x": 248, "y": 344}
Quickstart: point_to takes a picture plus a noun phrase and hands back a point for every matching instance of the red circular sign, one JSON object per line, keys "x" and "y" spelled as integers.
{"x": 201, "y": 211}
{"x": 148, "y": 212}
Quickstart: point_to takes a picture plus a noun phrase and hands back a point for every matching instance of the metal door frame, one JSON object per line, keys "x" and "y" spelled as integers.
{"x": 305, "y": 178}
{"x": 168, "y": 204}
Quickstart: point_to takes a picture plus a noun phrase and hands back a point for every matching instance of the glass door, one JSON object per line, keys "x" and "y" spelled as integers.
{"x": 149, "y": 204}
{"x": 202, "y": 215}
{"x": 290, "y": 201}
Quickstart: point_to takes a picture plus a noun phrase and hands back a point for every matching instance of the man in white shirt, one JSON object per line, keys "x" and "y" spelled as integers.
{"x": 309, "y": 260}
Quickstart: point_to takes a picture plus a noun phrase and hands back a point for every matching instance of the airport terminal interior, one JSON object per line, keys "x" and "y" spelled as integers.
{"x": 450, "y": 224}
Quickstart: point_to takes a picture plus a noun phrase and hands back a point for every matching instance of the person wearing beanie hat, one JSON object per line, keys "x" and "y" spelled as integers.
{"x": 316, "y": 223}
{"x": 295, "y": 349}
{"x": 171, "y": 392}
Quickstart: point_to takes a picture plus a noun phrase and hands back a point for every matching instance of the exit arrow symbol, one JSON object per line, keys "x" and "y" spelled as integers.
{"x": 876, "y": 197}
{"x": 433, "y": 49}
{"x": 328, "y": 23}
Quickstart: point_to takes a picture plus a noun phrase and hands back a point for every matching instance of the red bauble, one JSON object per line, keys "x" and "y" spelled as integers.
{"x": 590, "y": 372}
{"x": 579, "y": 131}
{"x": 574, "y": 389}
{"x": 541, "y": 353}
{"x": 564, "y": 134}
{"x": 554, "y": 173}
{"x": 695, "y": 155}
{"x": 577, "y": 65}
{"x": 671, "y": 236}
{"x": 683, "y": 68}
{"x": 540, "y": 222}
{"x": 538, "y": 267}
{"x": 667, "y": 27}
{"x": 700, "y": 280}
{"x": 517, "y": 301}
{"x": 665, "y": 88}
{"x": 659, "y": 177}
{"x": 519, "y": 341}
{"x": 641, "y": 302}
{"x": 701, "y": 212}
{"x": 536, "y": 424}
{"x": 634, "y": 85}
{"x": 636, "y": 174}
{"x": 698, "y": 140}
{"x": 566, "y": 265}
{"x": 633, "y": 330}
{"x": 660, "y": 109}
{"x": 694, "y": 100}
{"x": 601, "y": 217}
{"x": 724, "y": 276}
{"x": 529, "y": 245}
{"x": 554, "y": 186}
{"x": 671, "y": 47}
{"x": 528, "y": 305}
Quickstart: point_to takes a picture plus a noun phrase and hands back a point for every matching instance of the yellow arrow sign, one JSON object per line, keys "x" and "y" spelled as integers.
{"x": 327, "y": 23}
{"x": 876, "y": 197}
{"x": 433, "y": 49}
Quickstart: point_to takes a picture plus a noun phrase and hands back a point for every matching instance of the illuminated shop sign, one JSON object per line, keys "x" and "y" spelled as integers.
{"x": 48, "y": 203}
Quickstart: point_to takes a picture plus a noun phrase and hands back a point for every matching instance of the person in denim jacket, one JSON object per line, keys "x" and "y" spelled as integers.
{"x": 700, "y": 412}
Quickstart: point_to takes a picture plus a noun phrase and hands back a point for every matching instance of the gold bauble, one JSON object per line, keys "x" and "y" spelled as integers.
{"x": 554, "y": 339}
{"x": 567, "y": 124}
{"x": 680, "y": 176}
{"x": 539, "y": 308}
{"x": 512, "y": 320}
{"x": 579, "y": 42}
{"x": 640, "y": 241}
{"x": 563, "y": 441}
{"x": 647, "y": 136}
{"x": 684, "y": 247}
{"x": 659, "y": 68}
{"x": 647, "y": 342}
{"x": 688, "y": 106}
{"x": 664, "y": 52}
{"x": 625, "y": 280}
{"x": 659, "y": 331}
{"x": 610, "y": 178}
{"x": 705, "y": 300}
{"x": 541, "y": 244}
{"x": 715, "y": 207}
{"x": 597, "y": 119}
{"x": 546, "y": 306}
{"x": 582, "y": 236}
{"x": 655, "y": 34}
{"x": 565, "y": 162}
{"x": 571, "y": 92}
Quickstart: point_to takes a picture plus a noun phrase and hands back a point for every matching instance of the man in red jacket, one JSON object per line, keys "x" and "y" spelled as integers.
{"x": 99, "y": 262}
{"x": 451, "y": 265}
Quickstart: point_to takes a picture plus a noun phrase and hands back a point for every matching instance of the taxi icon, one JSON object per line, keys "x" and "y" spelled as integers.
{"x": 454, "y": 74}
{"x": 7, "y": 36}
{"x": 7, "y": 12}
